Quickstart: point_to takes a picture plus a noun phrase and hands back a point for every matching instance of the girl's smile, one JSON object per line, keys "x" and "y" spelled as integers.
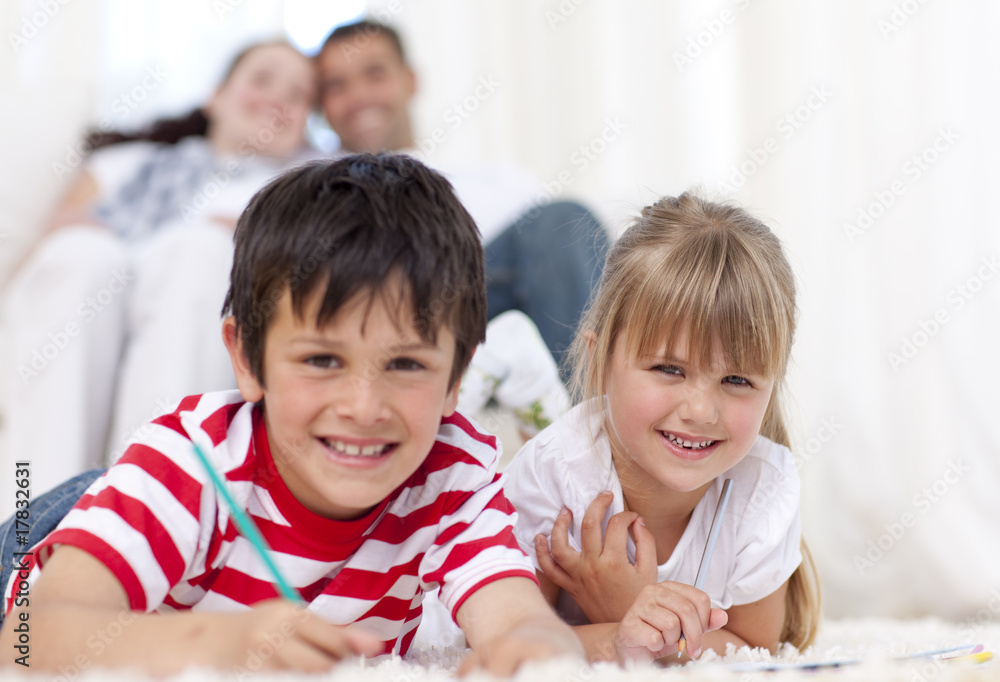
{"x": 689, "y": 447}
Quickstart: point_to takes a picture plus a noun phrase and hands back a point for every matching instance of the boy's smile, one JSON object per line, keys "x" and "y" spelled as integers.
{"x": 352, "y": 408}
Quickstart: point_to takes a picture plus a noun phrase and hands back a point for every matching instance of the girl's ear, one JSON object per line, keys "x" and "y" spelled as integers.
{"x": 591, "y": 339}
{"x": 251, "y": 388}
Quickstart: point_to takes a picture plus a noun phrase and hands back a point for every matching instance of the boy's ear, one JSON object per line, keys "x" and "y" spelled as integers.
{"x": 250, "y": 387}
{"x": 451, "y": 398}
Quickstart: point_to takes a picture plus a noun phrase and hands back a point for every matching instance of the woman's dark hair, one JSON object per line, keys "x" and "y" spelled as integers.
{"x": 171, "y": 130}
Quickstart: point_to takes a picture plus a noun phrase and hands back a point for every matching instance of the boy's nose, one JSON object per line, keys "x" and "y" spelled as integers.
{"x": 362, "y": 403}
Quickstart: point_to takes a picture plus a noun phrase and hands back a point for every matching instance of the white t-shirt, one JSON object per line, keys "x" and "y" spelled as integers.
{"x": 569, "y": 464}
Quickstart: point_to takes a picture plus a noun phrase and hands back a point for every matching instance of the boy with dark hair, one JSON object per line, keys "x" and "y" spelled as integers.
{"x": 356, "y": 302}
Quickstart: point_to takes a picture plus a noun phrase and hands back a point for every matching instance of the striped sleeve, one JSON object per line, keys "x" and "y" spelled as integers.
{"x": 475, "y": 542}
{"x": 146, "y": 518}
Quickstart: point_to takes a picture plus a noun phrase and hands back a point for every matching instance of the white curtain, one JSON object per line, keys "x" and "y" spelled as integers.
{"x": 860, "y": 130}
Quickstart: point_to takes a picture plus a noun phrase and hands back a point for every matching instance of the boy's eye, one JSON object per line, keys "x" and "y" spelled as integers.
{"x": 323, "y": 361}
{"x": 737, "y": 380}
{"x": 405, "y": 364}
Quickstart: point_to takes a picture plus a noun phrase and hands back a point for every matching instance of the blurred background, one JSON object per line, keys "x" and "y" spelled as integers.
{"x": 862, "y": 131}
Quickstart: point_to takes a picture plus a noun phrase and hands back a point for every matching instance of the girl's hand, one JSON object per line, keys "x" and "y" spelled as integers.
{"x": 281, "y": 635}
{"x": 600, "y": 577}
{"x": 653, "y": 625}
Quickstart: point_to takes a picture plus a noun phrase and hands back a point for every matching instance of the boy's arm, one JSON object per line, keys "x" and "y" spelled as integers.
{"x": 507, "y": 622}
{"x": 79, "y": 616}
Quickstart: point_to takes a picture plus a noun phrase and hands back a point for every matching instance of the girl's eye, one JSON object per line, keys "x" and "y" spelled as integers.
{"x": 737, "y": 380}
{"x": 405, "y": 364}
{"x": 322, "y": 361}
{"x": 669, "y": 369}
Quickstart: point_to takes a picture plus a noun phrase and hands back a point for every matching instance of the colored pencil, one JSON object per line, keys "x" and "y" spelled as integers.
{"x": 249, "y": 530}
{"x": 706, "y": 556}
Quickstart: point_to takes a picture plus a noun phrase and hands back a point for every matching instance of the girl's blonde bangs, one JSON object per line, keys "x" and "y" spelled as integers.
{"x": 712, "y": 290}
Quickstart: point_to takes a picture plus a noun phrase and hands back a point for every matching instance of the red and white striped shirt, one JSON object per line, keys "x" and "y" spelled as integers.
{"x": 160, "y": 526}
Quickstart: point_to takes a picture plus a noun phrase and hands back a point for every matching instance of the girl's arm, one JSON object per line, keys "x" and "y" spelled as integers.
{"x": 652, "y": 625}
{"x": 79, "y": 615}
{"x": 755, "y": 625}
{"x": 605, "y": 584}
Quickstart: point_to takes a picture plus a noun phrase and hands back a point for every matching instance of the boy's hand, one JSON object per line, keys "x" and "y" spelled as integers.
{"x": 295, "y": 639}
{"x": 600, "y": 578}
{"x": 77, "y": 596}
{"x": 653, "y": 625}
{"x": 531, "y": 642}
{"x": 507, "y": 622}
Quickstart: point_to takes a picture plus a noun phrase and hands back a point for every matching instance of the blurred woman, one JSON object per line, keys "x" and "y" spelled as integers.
{"x": 115, "y": 314}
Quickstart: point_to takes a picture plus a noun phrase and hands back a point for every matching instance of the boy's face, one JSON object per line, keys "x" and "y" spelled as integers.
{"x": 365, "y": 89}
{"x": 351, "y": 413}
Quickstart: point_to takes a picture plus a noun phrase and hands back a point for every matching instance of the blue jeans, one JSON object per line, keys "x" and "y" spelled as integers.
{"x": 546, "y": 264}
{"x": 45, "y": 513}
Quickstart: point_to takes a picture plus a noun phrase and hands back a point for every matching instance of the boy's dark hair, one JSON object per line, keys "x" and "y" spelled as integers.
{"x": 351, "y": 225}
{"x": 366, "y": 28}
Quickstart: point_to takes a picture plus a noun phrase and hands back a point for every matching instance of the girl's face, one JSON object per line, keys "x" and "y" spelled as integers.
{"x": 681, "y": 425}
{"x": 263, "y": 105}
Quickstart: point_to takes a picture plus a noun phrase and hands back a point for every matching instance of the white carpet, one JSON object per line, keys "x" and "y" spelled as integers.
{"x": 875, "y": 642}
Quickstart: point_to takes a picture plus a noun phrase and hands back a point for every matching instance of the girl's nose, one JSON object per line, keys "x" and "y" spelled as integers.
{"x": 698, "y": 407}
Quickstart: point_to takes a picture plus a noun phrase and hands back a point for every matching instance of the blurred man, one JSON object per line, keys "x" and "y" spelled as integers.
{"x": 542, "y": 257}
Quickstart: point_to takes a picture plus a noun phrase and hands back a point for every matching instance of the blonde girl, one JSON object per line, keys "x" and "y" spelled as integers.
{"x": 679, "y": 364}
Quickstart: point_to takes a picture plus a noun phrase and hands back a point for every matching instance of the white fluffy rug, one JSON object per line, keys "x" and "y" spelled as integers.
{"x": 876, "y": 644}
